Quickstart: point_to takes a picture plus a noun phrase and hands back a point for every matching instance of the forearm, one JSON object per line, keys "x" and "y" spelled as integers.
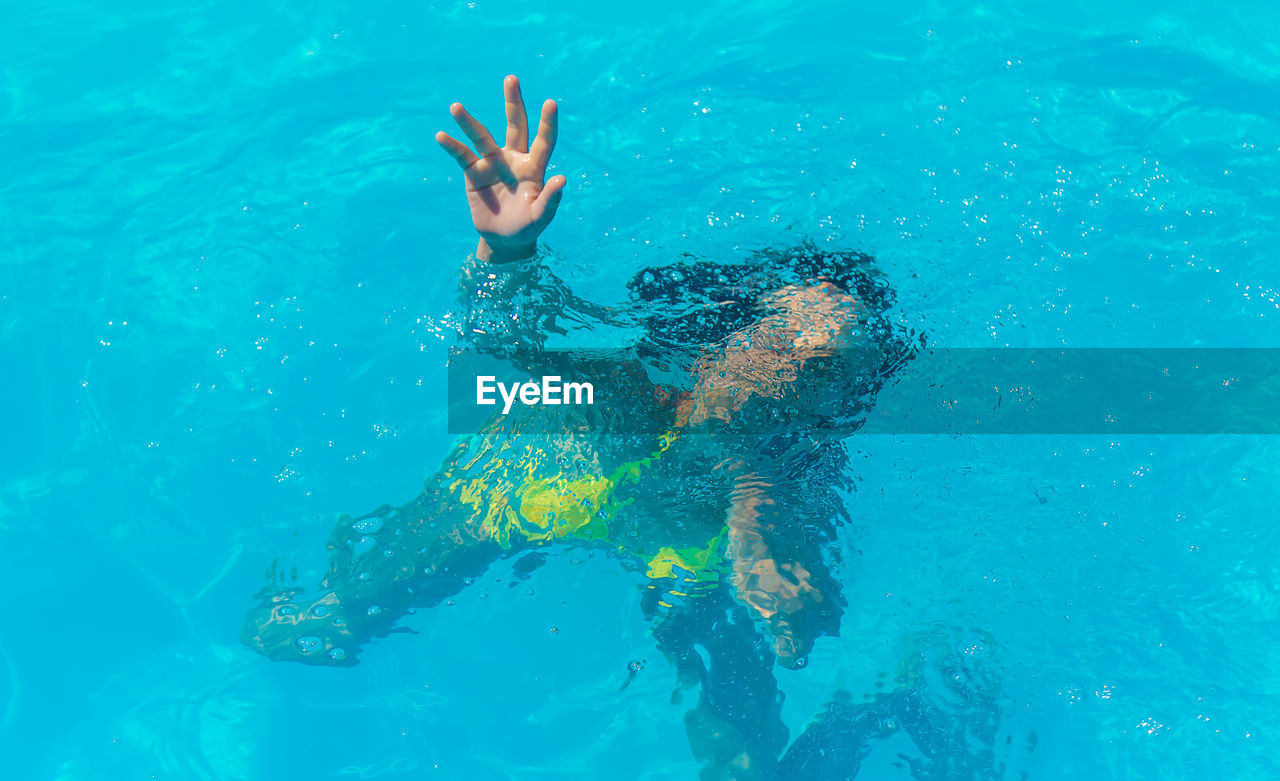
{"x": 505, "y": 304}
{"x": 774, "y": 587}
{"x": 511, "y": 301}
{"x": 747, "y": 550}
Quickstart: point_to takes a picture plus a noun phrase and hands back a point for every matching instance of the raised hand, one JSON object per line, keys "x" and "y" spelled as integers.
{"x": 510, "y": 203}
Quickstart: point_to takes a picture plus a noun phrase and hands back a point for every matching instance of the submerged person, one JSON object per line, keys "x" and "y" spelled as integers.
{"x": 728, "y": 508}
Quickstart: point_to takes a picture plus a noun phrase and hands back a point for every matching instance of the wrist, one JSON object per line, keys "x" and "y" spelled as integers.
{"x": 489, "y": 253}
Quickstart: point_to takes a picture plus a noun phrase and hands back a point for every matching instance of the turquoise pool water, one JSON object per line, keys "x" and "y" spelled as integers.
{"x": 228, "y": 243}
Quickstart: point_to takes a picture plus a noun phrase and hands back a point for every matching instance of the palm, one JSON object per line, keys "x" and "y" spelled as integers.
{"x": 510, "y": 204}
{"x": 501, "y": 189}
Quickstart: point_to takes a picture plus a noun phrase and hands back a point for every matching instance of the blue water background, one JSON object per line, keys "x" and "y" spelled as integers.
{"x": 227, "y": 241}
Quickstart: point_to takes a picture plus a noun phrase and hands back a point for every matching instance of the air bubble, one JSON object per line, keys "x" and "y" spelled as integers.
{"x": 374, "y": 610}
{"x": 367, "y": 525}
{"x": 307, "y": 644}
{"x": 363, "y": 546}
{"x": 320, "y": 611}
{"x": 287, "y": 610}
{"x": 337, "y": 654}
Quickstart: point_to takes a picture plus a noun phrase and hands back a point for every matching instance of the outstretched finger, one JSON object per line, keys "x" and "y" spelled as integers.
{"x": 517, "y": 119}
{"x": 475, "y": 131}
{"x": 457, "y": 150}
{"x": 545, "y": 143}
{"x": 545, "y": 205}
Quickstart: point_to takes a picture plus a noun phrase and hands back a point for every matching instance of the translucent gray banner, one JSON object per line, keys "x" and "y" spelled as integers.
{"x": 1115, "y": 391}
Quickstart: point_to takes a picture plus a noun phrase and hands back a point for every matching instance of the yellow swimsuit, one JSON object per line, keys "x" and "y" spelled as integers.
{"x": 542, "y": 509}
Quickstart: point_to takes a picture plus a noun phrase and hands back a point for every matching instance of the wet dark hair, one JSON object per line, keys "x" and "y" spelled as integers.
{"x": 692, "y": 303}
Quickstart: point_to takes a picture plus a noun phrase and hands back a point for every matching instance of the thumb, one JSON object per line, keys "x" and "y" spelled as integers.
{"x": 544, "y": 206}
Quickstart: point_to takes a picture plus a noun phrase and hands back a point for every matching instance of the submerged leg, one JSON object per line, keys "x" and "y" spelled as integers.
{"x": 736, "y": 727}
{"x": 943, "y": 719}
{"x": 382, "y": 565}
{"x": 494, "y": 495}
{"x": 833, "y": 747}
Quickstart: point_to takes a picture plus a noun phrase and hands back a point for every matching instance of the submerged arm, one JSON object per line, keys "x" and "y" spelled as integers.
{"x": 776, "y": 586}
